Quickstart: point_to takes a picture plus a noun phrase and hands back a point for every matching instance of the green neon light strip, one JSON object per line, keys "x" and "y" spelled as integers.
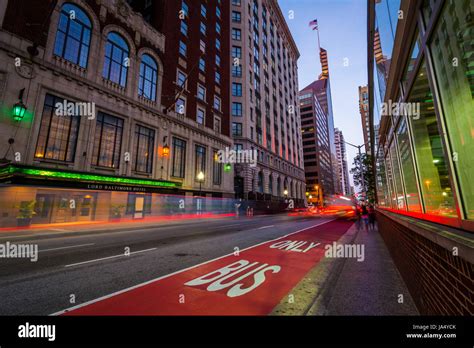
{"x": 90, "y": 177}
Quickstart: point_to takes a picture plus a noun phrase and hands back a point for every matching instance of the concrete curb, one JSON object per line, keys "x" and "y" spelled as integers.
{"x": 311, "y": 295}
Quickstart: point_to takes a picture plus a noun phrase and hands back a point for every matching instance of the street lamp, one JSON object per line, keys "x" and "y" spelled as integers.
{"x": 285, "y": 192}
{"x": 19, "y": 108}
{"x": 358, "y": 147}
{"x": 165, "y": 152}
{"x": 200, "y": 178}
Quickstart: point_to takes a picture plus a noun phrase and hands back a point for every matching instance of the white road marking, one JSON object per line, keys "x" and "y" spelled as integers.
{"x": 108, "y": 257}
{"x": 177, "y": 272}
{"x": 66, "y": 247}
{"x": 261, "y": 228}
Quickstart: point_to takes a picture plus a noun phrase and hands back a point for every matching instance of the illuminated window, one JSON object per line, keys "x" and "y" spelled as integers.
{"x": 58, "y": 134}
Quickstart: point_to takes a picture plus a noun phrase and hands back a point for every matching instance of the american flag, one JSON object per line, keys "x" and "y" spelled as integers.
{"x": 314, "y": 24}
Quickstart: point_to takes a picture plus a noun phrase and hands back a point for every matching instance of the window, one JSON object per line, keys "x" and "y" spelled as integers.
{"x": 107, "y": 141}
{"x": 406, "y": 163}
{"x": 203, "y": 10}
{"x": 202, "y": 64}
{"x": 184, "y": 28}
{"x": 237, "y": 109}
{"x": 145, "y": 143}
{"x": 200, "y": 115}
{"x": 237, "y": 129}
{"x": 203, "y": 28}
{"x": 236, "y": 16}
{"x": 236, "y": 71}
{"x": 202, "y": 46}
{"x": 217, "y": 124}
{"x": 236, "y": 52}
{"x": 181, "y": 79}
{"x": 431, "y": 158}
{"x": 200, "y": 160}
{"x": 218, "y": 44}
{"x": 236, "y": 89}
{"x": 216, "y": 169}
{"x": 453, "y": 38}
{"x": 236, "y": 2}
{"x": 116, "y": 59}
{"x": 181, "y": 106}
{"x": 73, "y": 35}
{"x": 217, "y": 103}
{"x": 148, "y": 77}
{"x": 218, "y": 12}
{"x": 179, "y": 158}
{"x": 182, "y": 48}
{"x": 236, "y": 34}
{"x": 218, "y": 60}
{"x": 218, "y": 77}
{"x": 58, "y": 134}
{"x": 201, "y": 92}
{"x": 185, "y": 8}
{"x": 218, "y": 28}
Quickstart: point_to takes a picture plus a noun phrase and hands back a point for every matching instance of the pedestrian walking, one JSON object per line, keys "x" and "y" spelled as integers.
{"x": 358, "y": 217}
{"x": 365, "y": 217}
{"x": 372, "y": 217}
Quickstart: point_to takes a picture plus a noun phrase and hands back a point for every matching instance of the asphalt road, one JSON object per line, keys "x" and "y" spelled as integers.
{"x": 88, "y": 266}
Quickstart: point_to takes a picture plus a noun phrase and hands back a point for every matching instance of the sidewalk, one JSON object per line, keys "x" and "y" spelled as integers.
{"x": 372, "y": 287}
{"x": 345, "y": 286}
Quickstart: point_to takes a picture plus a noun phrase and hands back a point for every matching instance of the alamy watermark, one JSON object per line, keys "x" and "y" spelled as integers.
{"x": 335, "y": 250}
{"x": 401, "y": 109}
{"x": 238, "y": 156}
{"x": 27, "y": 251}
{"x": 68, "y": 108}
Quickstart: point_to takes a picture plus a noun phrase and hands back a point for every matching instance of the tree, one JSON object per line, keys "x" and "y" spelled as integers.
{"x": 363, "y": 175}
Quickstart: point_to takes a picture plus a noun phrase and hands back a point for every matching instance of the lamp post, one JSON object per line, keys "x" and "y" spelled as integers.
{"x": 165, "y": 152}
{"x": 200, "y": 178}
{"x": 358, "y": 147}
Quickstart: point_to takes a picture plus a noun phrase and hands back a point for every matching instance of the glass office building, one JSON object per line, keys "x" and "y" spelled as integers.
{"x": 421, "y": 82}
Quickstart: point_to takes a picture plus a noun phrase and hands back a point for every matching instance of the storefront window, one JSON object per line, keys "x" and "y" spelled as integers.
{"x": 431, "y": 158}
{"x": 382, "y": 188}
{"x": 399, "y": 196}
{"x": 411, "y": 189}
{"x": 390, "y": 182}
{"x": 453, "y": 51}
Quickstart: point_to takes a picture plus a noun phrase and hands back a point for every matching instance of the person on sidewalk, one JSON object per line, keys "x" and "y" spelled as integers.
{"x": 365, "y": 217}
{"x": 371, "y": 217}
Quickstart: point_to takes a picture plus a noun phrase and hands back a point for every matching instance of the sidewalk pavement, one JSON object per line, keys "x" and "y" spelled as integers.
{"x": 345, "y": 286}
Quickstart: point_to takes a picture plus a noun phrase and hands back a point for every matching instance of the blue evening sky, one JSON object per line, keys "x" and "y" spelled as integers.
{"x": 342, "y": 31}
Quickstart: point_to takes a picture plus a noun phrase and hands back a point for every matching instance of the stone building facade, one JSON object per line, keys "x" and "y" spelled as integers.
{"x": 103, "y": 56}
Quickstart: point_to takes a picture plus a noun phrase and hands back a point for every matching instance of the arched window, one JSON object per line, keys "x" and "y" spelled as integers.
{"x": 148, "y": 77}
{"x": 73, "y": 35}
{"x": 278, "y": 193}
{"x": 270, "y": 184}
{"x": 116, "y": 59}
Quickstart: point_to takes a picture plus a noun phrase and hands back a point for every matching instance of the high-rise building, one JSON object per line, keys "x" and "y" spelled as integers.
{"x": 317, "y": 126}
{"x": 100, "y": 126}
{"x": 364, "y": 115}
{"x": 343, "y": 174}
{"x": 264, "y": 112}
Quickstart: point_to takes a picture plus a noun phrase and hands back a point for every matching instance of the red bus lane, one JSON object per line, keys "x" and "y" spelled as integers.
{"x": 251, "y": 283}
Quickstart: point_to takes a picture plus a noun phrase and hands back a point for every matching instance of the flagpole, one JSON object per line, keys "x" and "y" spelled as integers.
{"x": 319, "y": 45}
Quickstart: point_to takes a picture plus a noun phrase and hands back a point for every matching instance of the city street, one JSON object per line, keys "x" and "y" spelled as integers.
{"x": 89, "y": 265}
